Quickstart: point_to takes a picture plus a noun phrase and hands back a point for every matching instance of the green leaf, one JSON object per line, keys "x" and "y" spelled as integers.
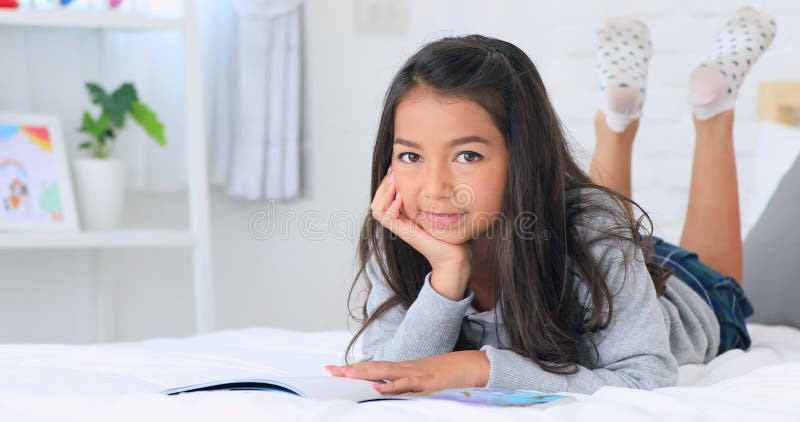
{"x": 85, "y": 145}
{"x": 125, "y": 94}
{"x": 149, "y": 121}
{"x": 97, "y": 94}
{"x": 120, "y": 103}
{"x": 116, "y": 105}
{"x": 87, "y": 123}
{"x": 96, "y": 128}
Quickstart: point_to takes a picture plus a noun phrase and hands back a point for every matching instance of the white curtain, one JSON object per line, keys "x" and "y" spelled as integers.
{"x": 256, "y": 110}
{"x": 251, "y": 68}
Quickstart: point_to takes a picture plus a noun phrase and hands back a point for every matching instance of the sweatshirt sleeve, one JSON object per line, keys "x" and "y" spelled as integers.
{"x": 429, "y": 327}
{"x": 633, "y": 351}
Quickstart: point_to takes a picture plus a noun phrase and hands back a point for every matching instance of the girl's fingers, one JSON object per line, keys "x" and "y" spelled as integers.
{"x": 387, "y": 197}
{"x": 384, "y": 195}
{"x": 408, "y": 230}
{"x": 393, "y": 220}
{"x": 402, "y": 385}
{"x": 394, "y": 207}
{"x": 334, "y": 370}
{"x": 378, "y": 370}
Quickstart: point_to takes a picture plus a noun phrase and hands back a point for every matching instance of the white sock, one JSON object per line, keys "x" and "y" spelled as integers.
{"x": 623, "y": 55}
{"x": 714, "y": 84}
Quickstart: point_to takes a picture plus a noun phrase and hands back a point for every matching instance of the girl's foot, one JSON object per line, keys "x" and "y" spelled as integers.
{"x": 714, "y": 84}
{"x": 623, "y": 54}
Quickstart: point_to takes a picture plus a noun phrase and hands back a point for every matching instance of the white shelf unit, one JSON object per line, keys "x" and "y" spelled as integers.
{"x": 88, "y": 19}
{"x": 123, "y": 238}
{"x": 197, "y": 237}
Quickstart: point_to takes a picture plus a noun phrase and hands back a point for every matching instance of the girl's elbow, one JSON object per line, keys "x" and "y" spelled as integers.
{"x": 659, "y": 381}
{"x": 667, "y": 376}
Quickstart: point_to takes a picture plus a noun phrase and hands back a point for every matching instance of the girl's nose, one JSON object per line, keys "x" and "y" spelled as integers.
{"x": 437, "y": 183}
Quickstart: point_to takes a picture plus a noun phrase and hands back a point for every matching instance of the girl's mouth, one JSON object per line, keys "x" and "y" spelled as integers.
{"x": 443, "y": 219}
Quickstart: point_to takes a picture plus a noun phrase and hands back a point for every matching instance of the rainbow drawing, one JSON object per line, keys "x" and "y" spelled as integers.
{"x": 29, "y": 184}
{"x": 39, "y": 136}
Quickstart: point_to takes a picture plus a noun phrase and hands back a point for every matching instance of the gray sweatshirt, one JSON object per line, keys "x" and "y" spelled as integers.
{"x": 646, "y": 340}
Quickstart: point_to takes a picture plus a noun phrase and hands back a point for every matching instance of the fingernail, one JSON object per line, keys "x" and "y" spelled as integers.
{"x": 390, "y": 170}
{"x": 376, "y": 386}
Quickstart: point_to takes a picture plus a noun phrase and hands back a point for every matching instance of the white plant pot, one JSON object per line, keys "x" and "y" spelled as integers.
{"x": 100, "y": 186}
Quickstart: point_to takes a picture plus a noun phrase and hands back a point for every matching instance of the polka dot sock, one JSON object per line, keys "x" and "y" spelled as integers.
{"x": 623, "y": 54}
{"x": 714, "y": 84}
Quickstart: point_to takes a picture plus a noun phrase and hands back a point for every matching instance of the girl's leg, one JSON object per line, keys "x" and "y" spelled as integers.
{"x": 712, "y": 228}
{"x": 623, "y": 54}
{"x": 611, "y": 161}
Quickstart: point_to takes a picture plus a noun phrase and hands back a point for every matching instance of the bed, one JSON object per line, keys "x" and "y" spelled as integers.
{"x": 122, "y": 381}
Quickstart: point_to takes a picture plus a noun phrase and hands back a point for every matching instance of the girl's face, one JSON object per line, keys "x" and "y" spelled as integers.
{"x": 448, "y": 157}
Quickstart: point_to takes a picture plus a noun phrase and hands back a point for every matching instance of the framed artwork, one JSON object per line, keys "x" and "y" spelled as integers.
{"x": 35, "y": 185}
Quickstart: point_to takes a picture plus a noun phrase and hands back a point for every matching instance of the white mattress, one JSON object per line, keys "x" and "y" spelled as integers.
{"x": 121, "y": 382}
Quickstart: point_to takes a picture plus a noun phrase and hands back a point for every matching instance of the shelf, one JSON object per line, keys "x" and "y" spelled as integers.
{"x": 197, "y": 238}
{"x": 88, "y": 19}
{"x": 122, "y": 238}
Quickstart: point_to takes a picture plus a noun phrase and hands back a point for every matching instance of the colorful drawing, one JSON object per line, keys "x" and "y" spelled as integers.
{"x": 32, "y": 175}
{"x": 494, "y": 397}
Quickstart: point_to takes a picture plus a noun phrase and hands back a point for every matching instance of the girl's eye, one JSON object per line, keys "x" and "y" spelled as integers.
{"x": 408, "y": 154}
{"x": 470, "y": 156}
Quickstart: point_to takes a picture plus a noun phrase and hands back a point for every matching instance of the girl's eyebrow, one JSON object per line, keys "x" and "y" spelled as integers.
{"x": 454, "y": 142}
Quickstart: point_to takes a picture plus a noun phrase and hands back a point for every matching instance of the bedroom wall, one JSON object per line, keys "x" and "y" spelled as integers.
{"x": 301, "y": 283}
{"x": 681, "y": 33}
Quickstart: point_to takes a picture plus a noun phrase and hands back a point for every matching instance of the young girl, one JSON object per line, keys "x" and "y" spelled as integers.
{"x": 494, "y": 261}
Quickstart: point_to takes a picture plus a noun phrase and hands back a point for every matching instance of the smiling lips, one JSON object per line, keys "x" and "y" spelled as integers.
{"x": 443, "y": 219}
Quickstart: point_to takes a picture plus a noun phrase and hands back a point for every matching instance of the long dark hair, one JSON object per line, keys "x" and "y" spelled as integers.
{"x": 533, "y": 275}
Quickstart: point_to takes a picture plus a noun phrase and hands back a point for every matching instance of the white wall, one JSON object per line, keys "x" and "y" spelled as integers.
{"x": 300, "y": 283}
{"x": 681, "y": 32}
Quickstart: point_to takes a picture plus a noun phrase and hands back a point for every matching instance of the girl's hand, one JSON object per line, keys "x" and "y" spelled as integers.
{"x": 451, "y": 263}
{"x": 462, "y": 369}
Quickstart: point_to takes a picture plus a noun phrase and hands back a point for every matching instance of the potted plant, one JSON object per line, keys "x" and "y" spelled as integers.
{"x": 99, "y": 179}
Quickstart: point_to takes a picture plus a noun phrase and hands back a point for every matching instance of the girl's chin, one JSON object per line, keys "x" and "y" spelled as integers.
{"x": 454, "y": 240}
{"x": 455, "y": 235}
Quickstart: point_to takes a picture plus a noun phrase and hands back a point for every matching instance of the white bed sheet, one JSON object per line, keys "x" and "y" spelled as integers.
{"x": 122, "y": 381}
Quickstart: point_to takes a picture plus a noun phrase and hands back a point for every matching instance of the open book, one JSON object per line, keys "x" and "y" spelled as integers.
{"x": 333, "y": 388}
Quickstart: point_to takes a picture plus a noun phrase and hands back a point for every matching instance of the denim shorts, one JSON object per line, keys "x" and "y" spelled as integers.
{"x": 722, "y": 293}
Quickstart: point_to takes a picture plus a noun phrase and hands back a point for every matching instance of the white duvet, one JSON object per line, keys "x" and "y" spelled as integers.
{"x": 122, "y": 381}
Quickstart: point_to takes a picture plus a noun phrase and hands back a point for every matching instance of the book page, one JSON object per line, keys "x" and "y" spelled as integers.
{"x": 330, "y": 388}
{"x": 313, "y": 387}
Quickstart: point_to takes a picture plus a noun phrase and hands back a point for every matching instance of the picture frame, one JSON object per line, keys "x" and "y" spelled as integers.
{"x": 36, "y": 192}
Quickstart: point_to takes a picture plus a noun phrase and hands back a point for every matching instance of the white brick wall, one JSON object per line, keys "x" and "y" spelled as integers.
{"x": 682, "y": 33}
